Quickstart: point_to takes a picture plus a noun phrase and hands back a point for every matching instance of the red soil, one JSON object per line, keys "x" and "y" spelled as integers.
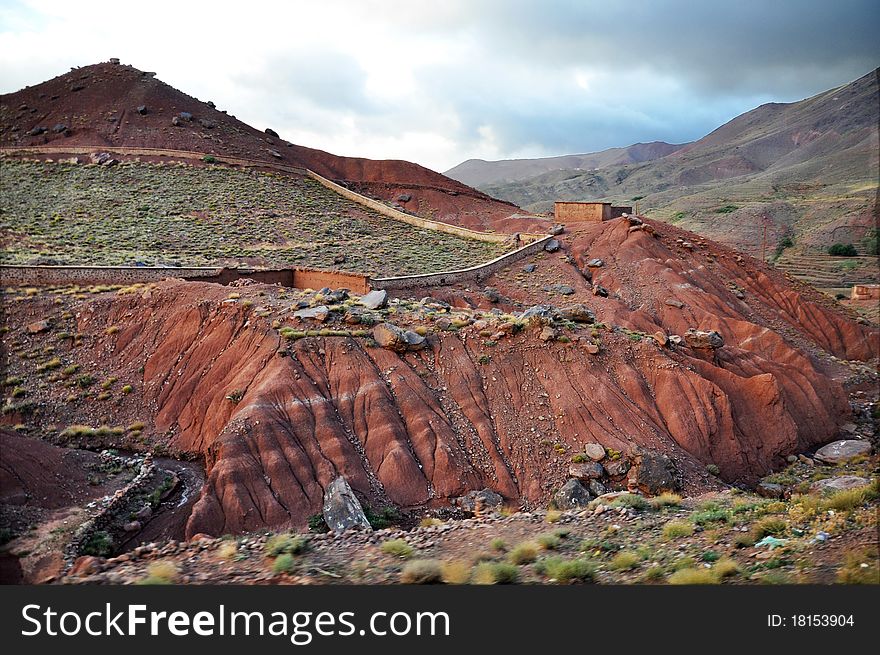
{"x": 420, "y": 428}
{"x": 103, "y": 112}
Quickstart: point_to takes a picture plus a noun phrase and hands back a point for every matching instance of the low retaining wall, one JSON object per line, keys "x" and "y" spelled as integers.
{"x": 300, "y": 278}
{"x": 459, "y": 275}
{"x": 437, "y": 226}
{"x": 109, "y": 512}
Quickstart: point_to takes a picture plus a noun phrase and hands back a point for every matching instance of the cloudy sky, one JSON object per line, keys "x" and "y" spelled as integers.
{"x": 442, "y": 81}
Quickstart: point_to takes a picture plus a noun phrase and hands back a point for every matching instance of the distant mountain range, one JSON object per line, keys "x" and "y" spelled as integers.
{"x": 478, "y": 172}
{"x": 806, "y": 171}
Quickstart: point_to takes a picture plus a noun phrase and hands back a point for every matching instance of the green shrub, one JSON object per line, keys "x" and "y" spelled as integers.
{"x": 769, "y": 525}
{"x": 633, "y": 501}
{"x": 160, "y": 573}
{"x": 676, "y": 529}
{"x": 524, "y": 553}
{"x": 710, "y": 513}
{"x": 548, "y": 541}
{"x": 495, "y": 573}
{"x": 98, "y": 544}
{"x": 842, "y": 250}
{"x": 690, "y": 576}
{"x": 397, "y": 548}
{"x": 726, "y": 209}
{"x": 665, "y": 500}
{"x": 284, "y": 563}
{"x": 383, "y": 517}
{"x": 289, "y": 544}
{"x": 317, "y": 524}
{"x": 567, "y": 570}
{"x": 625, "y": 561}
{"x": 498, "y": 544}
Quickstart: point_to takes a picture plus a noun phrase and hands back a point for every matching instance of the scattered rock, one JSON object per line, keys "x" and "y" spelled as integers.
{"x": 595, "y": 451}
{"x": 838, "y": 484}
{"x": 563, "y": 289}
{"x": 672, "y": 302}
{"x": 600, "y": 291}
{"x": 185, "y": 116}
{"x": 529, "y": 268}
{"x": 58, "y": 128}
{"x": 485, "y": 498}
{"x": 552, "y": 245}
{"x": 597, "y": 488}
{"x": 319, "y": 313}
{"x": 655, "y": 473}
{"x": 491, "y": 294}
{"x": 341, "y": 509}
{"x": 701, "y": 339}
{"x": 592, "y": 348}
{"x": 617, "y": 467}
{"x": 556, "y": 230}
{"x": 404, "y": 197}
{"x": 572, "y": 495}
{"x": 144, "y": 513}
{"x": 37, "y": 131}
{"x": 842, "y": 451}
{"x": 38, "y": 327}
{"x": 542, "y": 313}
{"x": 391, "y": 337}
{"x": 547, "y": 334}
{"x": 595, "y": 263}
{"x": 586, "y": 471}
{"x": 770, "y": 490}
{"x": 375, "y": 299}
{"x": 271, "y": 132}
{"x": 339, "y": 259}
{"x": 579, "y": 313}
{"x": 141, "y": 109}
{"x": 86, "y": 565}
{"x": 208, "y": 125}
{"x": 132, "y": 526}
{"x": 276, "y": 154}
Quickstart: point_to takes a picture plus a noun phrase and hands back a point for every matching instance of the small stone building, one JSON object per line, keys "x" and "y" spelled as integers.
{"x": 866, "y": 292}
{"x": 591, "y": 212}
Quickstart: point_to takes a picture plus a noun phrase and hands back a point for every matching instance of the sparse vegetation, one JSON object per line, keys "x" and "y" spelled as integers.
{"x": 676, "y": 529}
{"x": 160, "y": 573}
{"x": 422, "y": 571}
{"x": 398, "y": 548}
{"x": 524, "y": 553}
{"x": 495, "y": 573}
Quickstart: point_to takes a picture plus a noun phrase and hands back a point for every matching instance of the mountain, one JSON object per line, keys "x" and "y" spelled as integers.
{"x": 806, "y": 171}
{"x": 98, "y": 105}
{"x": 480, "y": 173}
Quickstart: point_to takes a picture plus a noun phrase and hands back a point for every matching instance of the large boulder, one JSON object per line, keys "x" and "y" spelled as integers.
{"x": 830, "y": 485}
{"x": 700, "y": 339}
{"x": 586, "y": 470}
{"x": 319, "y": 313}
{"x": 478, "y": 500}
{"x": 578, "y": 313}
{"x": 572, "y": 495}
{"x": 391, "y": 337}
{"x": 842, "y": 451}
{"x": 655, "y": 473}
{"x": 375, "y": 299}
{"x": 595, "y": 451}
{"x": 342, "y": 510}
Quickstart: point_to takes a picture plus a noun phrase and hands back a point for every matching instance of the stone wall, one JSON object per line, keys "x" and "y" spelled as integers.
{"x": 437, "y": 226}
{"x": 38, "y": 276}
{"x": 866, "y": 292}
{"x": 459, "y": 275}
{"x": 576, "y": 212}
{"x": 112, "y": 512}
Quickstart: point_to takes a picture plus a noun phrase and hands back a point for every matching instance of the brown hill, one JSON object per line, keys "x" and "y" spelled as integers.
{"x": 481, "y": 173}
{"x": 99, "y": 105}
{"x": 805, "y": 170}
{"x": 492, "y": 401}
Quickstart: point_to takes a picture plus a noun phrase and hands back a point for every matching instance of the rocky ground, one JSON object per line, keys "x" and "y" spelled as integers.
{"x": 822, "y": 528}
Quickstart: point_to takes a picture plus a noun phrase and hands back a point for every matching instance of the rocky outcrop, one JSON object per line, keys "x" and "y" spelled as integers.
{"x": 341, "y": 509}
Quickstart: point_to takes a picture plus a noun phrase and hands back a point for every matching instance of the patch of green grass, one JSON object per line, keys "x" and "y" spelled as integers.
{"x": 633, "y": 501}
{"x": 495, "y": 573}
{"x": 524, "y": 553}
{"x": 290, "y": 544}
{"x": 726, "y": 209}
{"x": 625, "y": 561}
{"x": 665, "y": 500}
{"x": 284, "y": 563}
{"x": 691, "y": 576}
{"x": 676, "y": 529}
{"x": 548, "y": 541}
{"x": 397, "y": 548}
{"x": 567, "y": 570}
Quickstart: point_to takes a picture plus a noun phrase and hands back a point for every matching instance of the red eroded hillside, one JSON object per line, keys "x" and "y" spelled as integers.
{"x": 492, "y": 400}
{"x": 116, "y": 105}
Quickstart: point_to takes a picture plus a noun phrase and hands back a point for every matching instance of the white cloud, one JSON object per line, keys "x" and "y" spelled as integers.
{"x": 440, "y": 82}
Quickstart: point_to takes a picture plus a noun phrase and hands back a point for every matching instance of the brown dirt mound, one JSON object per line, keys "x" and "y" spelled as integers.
{"x": 98, "y": 106}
